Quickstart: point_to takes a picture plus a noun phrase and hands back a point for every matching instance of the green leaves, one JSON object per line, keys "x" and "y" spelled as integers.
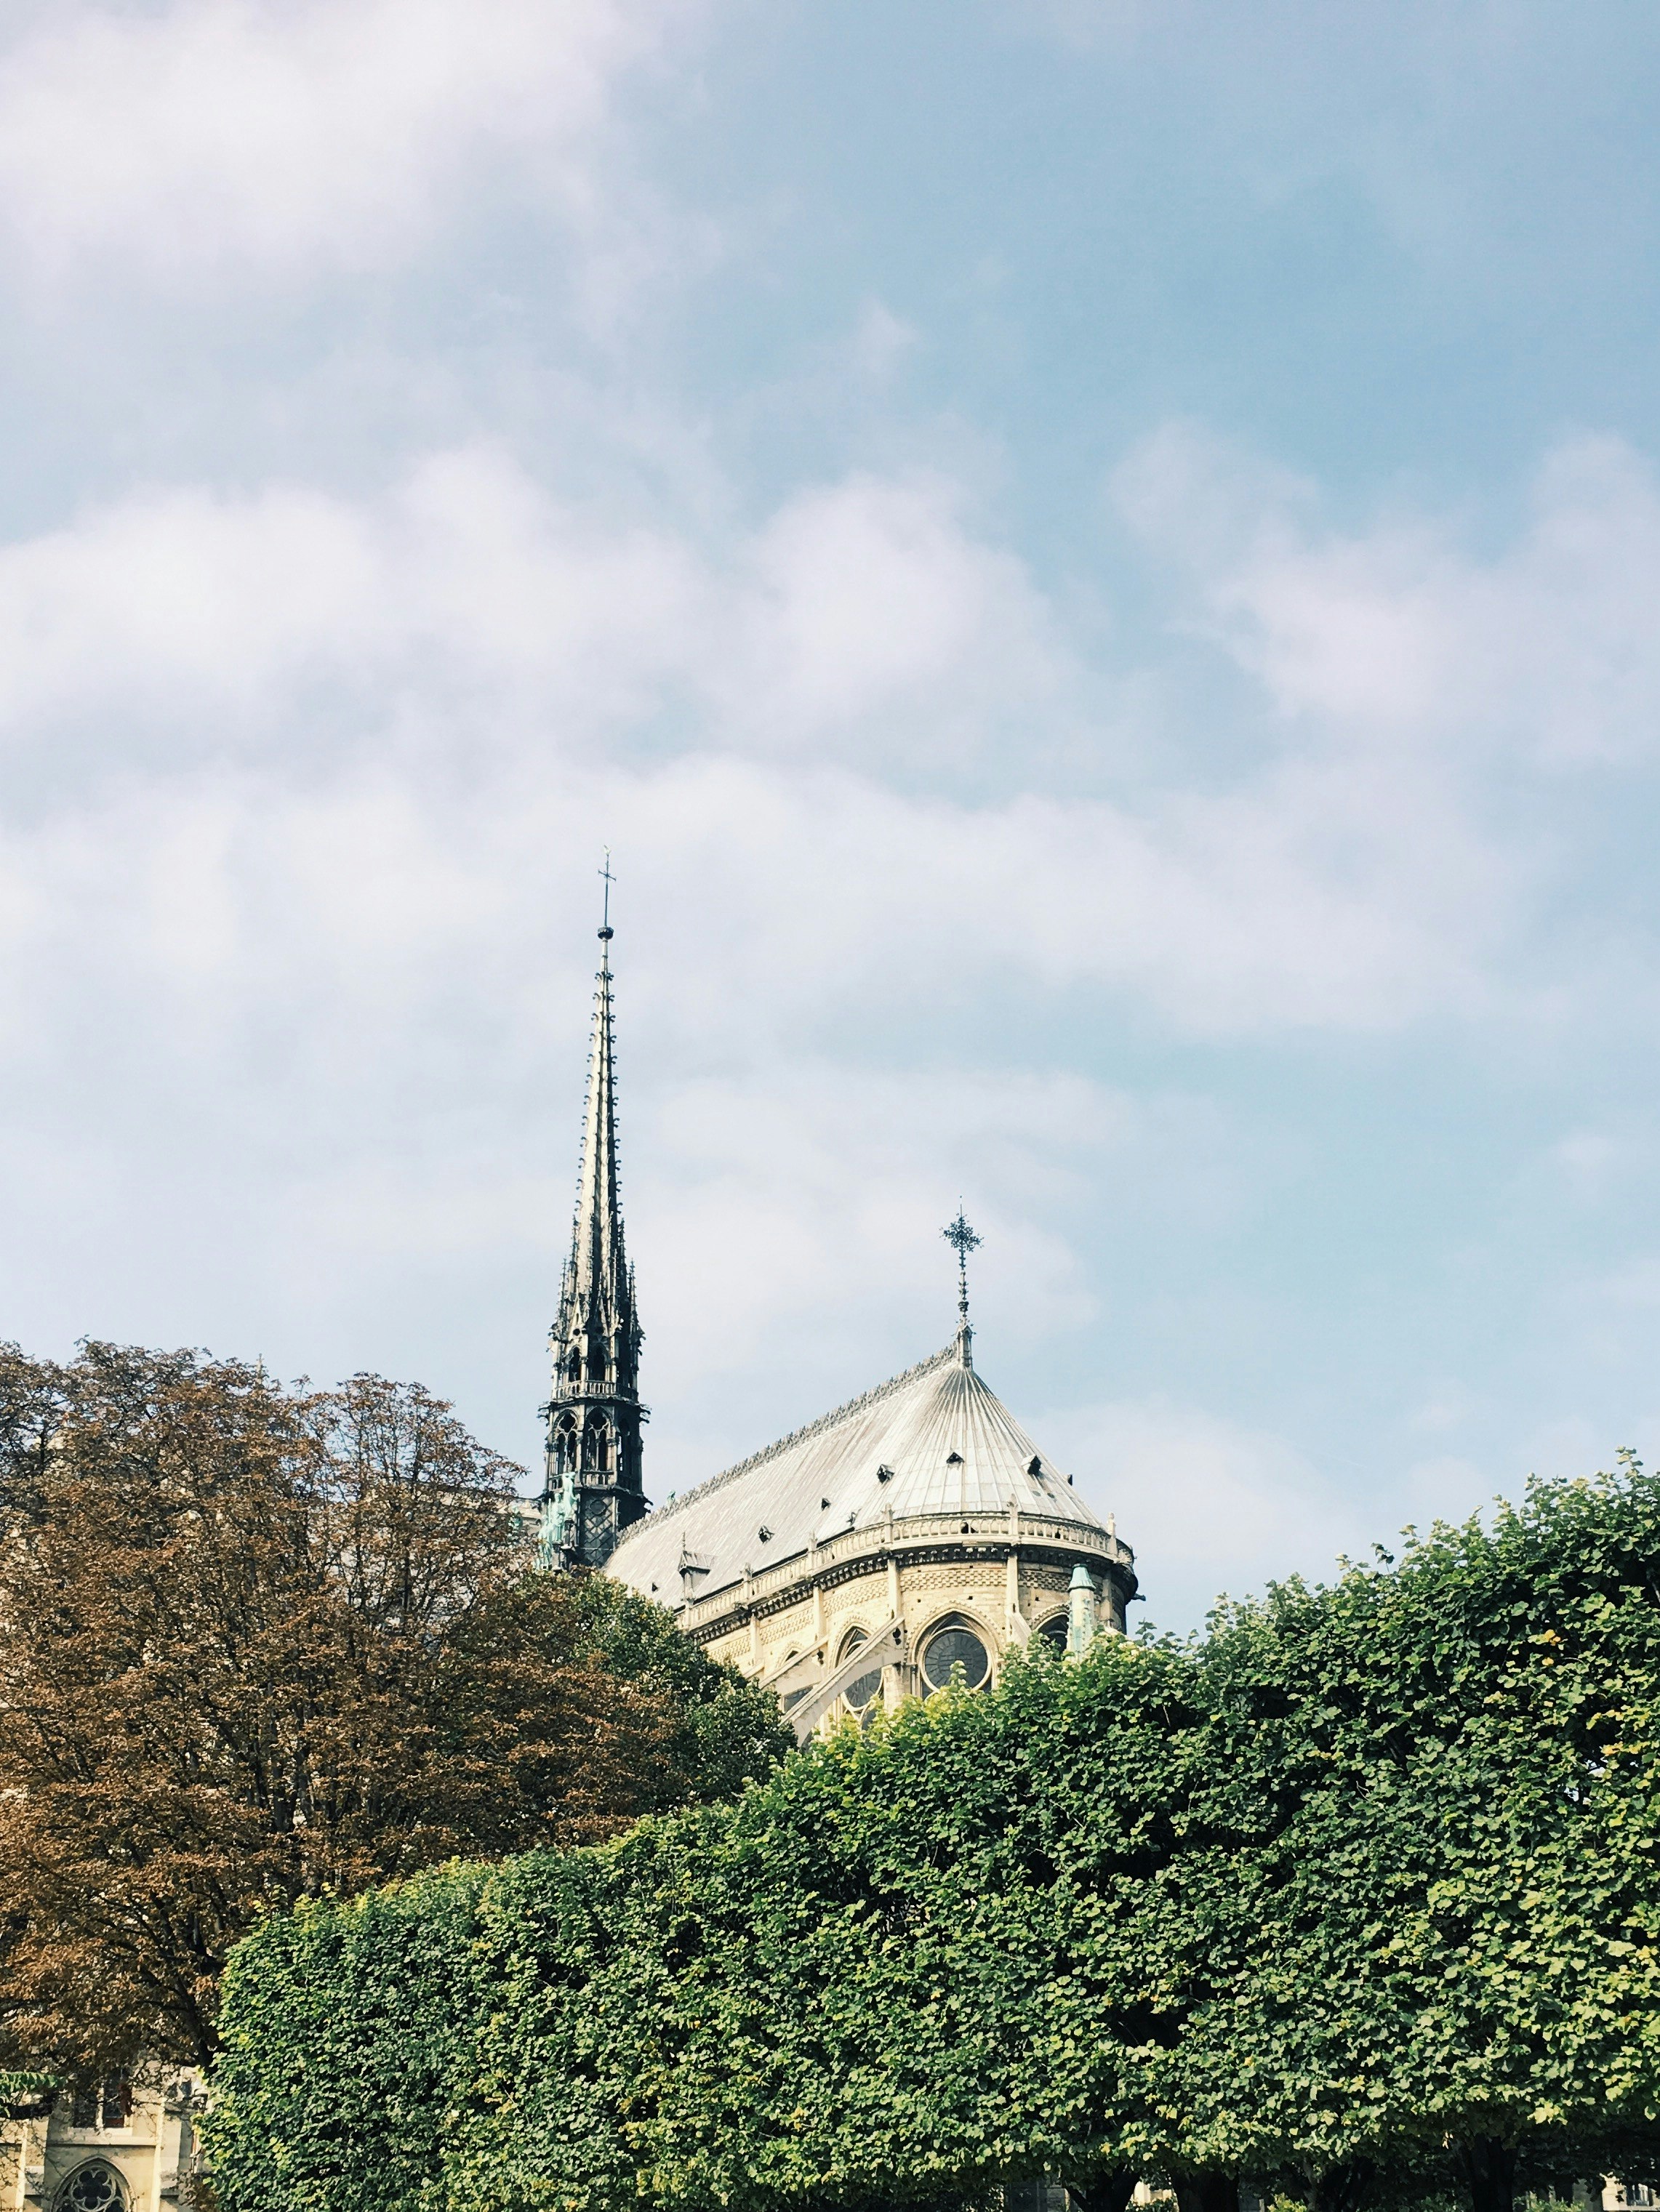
{"x": 1359, "y": 1897}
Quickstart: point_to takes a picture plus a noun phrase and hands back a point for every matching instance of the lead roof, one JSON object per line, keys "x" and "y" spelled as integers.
{"x": 934, "y": 1440}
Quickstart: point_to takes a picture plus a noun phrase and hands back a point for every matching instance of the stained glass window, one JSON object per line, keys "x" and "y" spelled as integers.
{"x": 952, "y": 1646}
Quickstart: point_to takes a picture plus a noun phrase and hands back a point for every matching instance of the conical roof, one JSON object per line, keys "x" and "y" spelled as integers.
{"x": 935, "y": 1440}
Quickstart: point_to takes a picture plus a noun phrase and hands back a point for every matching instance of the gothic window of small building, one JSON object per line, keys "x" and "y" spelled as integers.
{"x": 94, "y": 2187}
{"x": 953, "y": 1643}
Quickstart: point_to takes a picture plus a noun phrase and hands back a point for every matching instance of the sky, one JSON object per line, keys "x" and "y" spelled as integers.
{"x": 1096, "y": 566}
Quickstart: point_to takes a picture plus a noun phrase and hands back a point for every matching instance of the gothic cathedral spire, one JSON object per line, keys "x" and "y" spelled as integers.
{"x": 594, "y": 1489}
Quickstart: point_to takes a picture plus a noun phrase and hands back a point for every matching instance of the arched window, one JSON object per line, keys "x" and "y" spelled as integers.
{"x": 863, "y": 1689}
{"x": 565, "y": 1446}
{"x": 1053, "y": 1630}
{"x": 94, "y": 2187}
{"x": 953, "y": 1642}
{"x": 596, "y": 1445}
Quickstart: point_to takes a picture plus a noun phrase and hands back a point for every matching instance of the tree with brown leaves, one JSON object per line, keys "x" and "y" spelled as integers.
{"x": 258, "y": 1644}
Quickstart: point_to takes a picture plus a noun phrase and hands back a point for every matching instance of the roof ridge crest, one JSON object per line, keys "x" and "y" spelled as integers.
{"x": 796, "y": 1435}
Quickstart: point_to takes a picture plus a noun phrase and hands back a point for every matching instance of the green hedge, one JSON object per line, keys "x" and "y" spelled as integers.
{"x": 1365, "y": 1882}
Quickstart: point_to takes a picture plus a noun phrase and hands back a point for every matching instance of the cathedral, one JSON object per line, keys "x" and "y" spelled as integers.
{"x": 914, "y": 1536}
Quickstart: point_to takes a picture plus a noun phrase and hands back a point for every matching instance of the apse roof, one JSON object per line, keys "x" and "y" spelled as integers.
{"x": 932, "y": 1440}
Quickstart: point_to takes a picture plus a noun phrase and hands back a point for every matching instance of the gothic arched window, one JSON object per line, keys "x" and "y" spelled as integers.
{"x": 94, "y": 2187}
{"x": 862, "y": 1690}
{"x": 596, "y": 1439}
{"x": 953, "y": 1643}
{"x": 565, "y": 1446}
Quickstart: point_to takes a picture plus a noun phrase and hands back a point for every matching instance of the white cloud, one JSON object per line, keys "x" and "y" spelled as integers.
{"x": 242, "y": 617}
{"x": 1209, "y": 1504}
{"x": 297, "y": 138}
{"x": 881, "y": 340}
{"x": 466, "y": 630}
{"x": 821, "y": 1188}
{"x": 307, "y": 789}
{"x": 871, "y": 596}
{"x": 1400, "y": 636}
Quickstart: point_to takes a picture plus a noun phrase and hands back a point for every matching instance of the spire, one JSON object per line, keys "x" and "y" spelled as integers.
{"x": 594, "y": 1489}
{"x": 964, "y": 1240}
{"x": 598, "y": 1262}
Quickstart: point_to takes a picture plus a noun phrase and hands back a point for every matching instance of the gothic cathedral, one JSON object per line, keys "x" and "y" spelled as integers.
{"x": 914, "y": 1536}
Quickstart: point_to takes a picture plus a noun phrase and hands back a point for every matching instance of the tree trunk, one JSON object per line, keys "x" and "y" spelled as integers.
{"x": 1208, "y": 2192}
{"x": 1345, "y": 2188}
{"x": 1108, "y": 2190}
{"x": 1488, "y": 2169}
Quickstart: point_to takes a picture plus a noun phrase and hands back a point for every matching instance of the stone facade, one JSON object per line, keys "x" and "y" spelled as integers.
{"x": 123, "y": 2147}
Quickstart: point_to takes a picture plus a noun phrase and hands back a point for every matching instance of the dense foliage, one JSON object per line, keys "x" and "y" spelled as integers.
{"x": 1357, "y": 1897}
{"x": 259, "y": 1644}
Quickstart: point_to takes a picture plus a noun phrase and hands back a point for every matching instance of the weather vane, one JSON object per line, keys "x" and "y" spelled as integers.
{"x": 963, "y": 1240}
{"x": 606, "y": 928}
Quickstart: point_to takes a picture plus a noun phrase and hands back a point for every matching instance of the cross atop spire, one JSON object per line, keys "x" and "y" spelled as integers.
{"x": 964, "y": 1241}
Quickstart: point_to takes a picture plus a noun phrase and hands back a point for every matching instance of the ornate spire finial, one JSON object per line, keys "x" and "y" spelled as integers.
{"x": 964, "y": 1241}
{"x": 606, "y": 932}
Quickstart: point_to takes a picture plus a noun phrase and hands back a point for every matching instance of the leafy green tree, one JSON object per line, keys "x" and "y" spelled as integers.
{"x": 1424, "y": 1933}
{"x": 912, "y": 1963}
{"x": 1356, "y": 1900}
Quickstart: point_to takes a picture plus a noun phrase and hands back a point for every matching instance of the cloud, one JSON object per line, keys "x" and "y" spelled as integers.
{"x": 1544, "y": 652}
{"x": 1209, "y": 1504}
{"x": 237, "y": 618}
{"x": 238, "y": 139}
{"x": 782, "y": 721}
{"x": 306, "y": 789}
{"x": 871, "y": 595}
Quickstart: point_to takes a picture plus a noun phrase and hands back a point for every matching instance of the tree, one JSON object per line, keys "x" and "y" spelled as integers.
{"x": 1421, "y": 1940}
{"x": 912, "y": 1963}
{"x": 259, "y": 1645}
{"x": 1357, "y": 1897}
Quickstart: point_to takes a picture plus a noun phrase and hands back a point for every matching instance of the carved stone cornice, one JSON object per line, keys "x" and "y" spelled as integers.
{"x": 917, "y": 1540}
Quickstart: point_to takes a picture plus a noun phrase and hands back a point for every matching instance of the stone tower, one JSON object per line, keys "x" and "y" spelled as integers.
{"x": 594, "y": 1489}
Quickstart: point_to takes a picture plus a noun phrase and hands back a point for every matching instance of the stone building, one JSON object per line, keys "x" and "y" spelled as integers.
{"x": 119, "y": 2145}
{"x": 916, "y": 1534}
